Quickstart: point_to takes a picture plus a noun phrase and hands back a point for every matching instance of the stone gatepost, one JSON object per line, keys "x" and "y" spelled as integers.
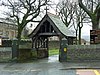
{"x": 63, "y": 50}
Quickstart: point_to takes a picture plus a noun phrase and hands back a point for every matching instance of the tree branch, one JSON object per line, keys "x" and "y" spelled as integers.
{"x": 33, "y": 2}
{"x": 97, "y": 8}
{"x": 85, "y": 9}
{"x": 23, "y": 4}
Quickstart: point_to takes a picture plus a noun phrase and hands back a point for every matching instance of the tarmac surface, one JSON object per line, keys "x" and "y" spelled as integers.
{"x": 50, "y": 66}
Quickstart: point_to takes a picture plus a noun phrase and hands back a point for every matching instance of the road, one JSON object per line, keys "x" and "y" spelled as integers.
{"x": 88, "y": 72}
{"x": 48, "y": 66}
{"x": 50, "y": 72}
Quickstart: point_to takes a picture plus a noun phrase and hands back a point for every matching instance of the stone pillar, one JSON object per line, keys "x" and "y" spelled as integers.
{"x": 63, "y": 50}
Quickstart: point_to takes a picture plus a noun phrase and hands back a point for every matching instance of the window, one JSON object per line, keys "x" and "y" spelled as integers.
{"x": 12, "y": 34}
{"x": 7, "y": 33}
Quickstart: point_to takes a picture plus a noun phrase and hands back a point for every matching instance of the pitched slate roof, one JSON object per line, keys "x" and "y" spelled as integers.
{"x": 58, "y": 24}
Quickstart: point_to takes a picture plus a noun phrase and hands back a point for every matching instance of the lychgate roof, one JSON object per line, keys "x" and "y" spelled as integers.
{"x": 60, "y": 25}
{"x": 57, "y": 23}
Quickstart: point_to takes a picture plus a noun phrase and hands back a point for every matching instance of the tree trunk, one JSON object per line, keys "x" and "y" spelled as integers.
{"x": 18, "y": 42}
{"x": 95, "y": 24}
{"x": 93, "y": 15}
{"x": 79, "y": 35}
{"x": 76, "y": 37}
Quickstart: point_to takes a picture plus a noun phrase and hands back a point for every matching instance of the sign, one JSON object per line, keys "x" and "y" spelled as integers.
{"x": 65, "y": 49}
{"x": 0, "y": 41}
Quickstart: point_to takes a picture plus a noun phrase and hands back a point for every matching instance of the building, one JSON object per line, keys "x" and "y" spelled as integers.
{"x": 8, "y": 29}
{"x": 95, "y": 36}
{"x": 84, "y": 42}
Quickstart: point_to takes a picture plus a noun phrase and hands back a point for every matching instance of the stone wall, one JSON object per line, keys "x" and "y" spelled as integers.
{"x": 83, "y": 53}
{"x": 5, "y": 54}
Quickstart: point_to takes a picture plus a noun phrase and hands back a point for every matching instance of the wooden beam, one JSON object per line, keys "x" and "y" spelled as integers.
{"x": 49, "y": 34}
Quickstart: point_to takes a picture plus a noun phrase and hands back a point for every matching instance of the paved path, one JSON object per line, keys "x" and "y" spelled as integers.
{"x": 49, "y": 66}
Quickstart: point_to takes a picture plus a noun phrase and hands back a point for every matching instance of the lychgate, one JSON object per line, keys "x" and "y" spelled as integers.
{"x": 50, "y": 25}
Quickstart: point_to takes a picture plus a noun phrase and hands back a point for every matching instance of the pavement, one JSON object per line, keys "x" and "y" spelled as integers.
{"x": 47, "y": 66}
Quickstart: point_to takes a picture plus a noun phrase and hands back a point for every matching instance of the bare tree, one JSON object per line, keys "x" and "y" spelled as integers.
{"x": 72, "y": 15}
{"x": 23, "y": 11}
{"x": 80, "y": 16}
{"x": 76, "y": 29}
{"x": 93, "y": 10}
{"x": 65, "y": 9}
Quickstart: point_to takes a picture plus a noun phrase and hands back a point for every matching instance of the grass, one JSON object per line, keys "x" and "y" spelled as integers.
{"x": 53, "y": 52}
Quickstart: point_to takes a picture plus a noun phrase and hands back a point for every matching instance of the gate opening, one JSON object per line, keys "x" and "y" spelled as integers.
{"x": 54, "y": 45}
